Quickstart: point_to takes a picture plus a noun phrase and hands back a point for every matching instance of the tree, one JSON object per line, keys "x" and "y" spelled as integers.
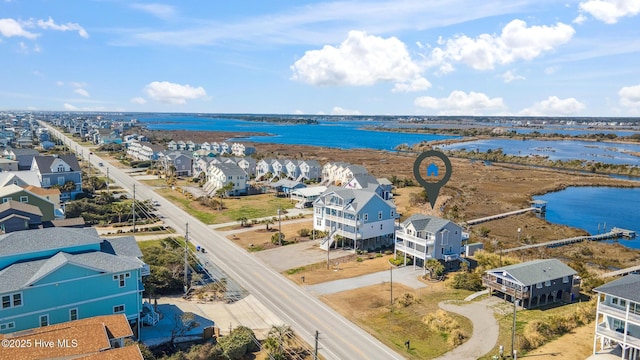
{"x": 278, "y": 337}
{"x": 434, "y": 267}
{"x": 184, "y": 323}
{"x": 120, "y": 208}
{"x": 277, "y": 238}
{"x": 243, "y": 221}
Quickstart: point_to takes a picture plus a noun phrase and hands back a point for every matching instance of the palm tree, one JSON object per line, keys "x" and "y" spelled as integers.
{"x": 120, "y": 208}
{"x": 243, "y": 221}
{"x": 278, "y": 337}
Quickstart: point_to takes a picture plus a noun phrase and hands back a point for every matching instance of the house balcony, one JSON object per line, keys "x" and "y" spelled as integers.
{"x": 402, "y": 236}
{"x": 340, "y": 220}
{"x": 145, "y": 270}
{"x": 516, "y": 292}
{"x": 617, "y": 335}
{"x": 412, "y": 252}
{"x": 618, "y": 313}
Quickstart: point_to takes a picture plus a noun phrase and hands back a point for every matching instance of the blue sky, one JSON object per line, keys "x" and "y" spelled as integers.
{"x": 402, "y": 57}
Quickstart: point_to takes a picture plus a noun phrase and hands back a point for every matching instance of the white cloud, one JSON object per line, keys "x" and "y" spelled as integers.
{"x": 158, "y": 10}
{"x": 516, "y": 42}
{"x": 138, "y": 100}
{"x": 461, "y": 103}
{"x": 609, "y": 11}
{"x": 10, "y": 27}
{"x": 361, "y": 60}
{"x": 50, "y": 24}
{"x": 70, "y": 107}
{"x": 554, "y": 106}
{"x": 82, "y": 92}
{"x": 340, "y": 111}
{"x": 415, "y": 85}
{"x": 550, "y": 70}
{"x": 630, "y": 96}
{"x": 510, "y": 76}
{"x": 172, "y": 93}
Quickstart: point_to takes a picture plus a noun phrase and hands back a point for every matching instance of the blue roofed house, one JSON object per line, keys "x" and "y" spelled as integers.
{"x": 423, "y": 237}
{"x": 53, "y": 275}
{"x": 361, "y": 217}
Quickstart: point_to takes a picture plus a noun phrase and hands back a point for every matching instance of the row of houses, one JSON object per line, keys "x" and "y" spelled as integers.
{"x": 237, "y": 149}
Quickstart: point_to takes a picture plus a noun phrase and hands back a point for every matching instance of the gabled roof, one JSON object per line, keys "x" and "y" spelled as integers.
{"x": 627, "y": 287}
{"x": 426, "y": 223}
{"x": 536, "y": 271}
{"x": 354, "y": 199}
{"x": 17, "y": 205}
{"x": 92, "y": 337}
{"x": 26, "y": 176}
{"x": 46, "y": 239}
{"x": 42, "y": 192}
{"x": 12, "y": 189}
{"x": 44, "y": 162}
{"x": 23, "y": 274}
{"x": 229, "y": 169}
{"x": 287, "y": 183}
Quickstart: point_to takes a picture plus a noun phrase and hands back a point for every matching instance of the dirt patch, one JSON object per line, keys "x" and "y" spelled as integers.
{"x": 343, "y": 268}
{"x": 260, "y": 236}
{"x": 578, "y": 344}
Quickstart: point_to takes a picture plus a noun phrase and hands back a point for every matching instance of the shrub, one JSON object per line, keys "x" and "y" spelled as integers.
{"x": 455, "y": 337}
{"x": 440, "y": 321}
{"x": 407, "y": 299}
{"x": 467, "y": 281}
{"x": 359, "y": 259}
{"x": 304, "y": 232}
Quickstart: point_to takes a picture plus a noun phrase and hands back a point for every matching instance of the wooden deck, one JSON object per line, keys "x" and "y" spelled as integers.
{"x": 499, "y": 216}
{"x": 615, "y": 233}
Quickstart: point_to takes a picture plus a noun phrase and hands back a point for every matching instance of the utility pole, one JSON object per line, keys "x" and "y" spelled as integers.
{"x": 108, "y": 193}
{"x": 133, "y": 209}
{"x": 279, "y": 228}
{"x": 186, "y": 260}
{"x": 513, "y": 331}
{"x": 315, "y": 352}
{"x": 391, "y": 278}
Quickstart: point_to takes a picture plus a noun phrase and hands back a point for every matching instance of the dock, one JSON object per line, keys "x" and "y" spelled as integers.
{"x": 621, "y": 272}
{"x": 537, "y": 206}
{"x": 615, "y": 233}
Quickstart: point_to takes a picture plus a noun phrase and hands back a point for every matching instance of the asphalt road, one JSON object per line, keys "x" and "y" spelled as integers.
{"x": 339, "y": 338}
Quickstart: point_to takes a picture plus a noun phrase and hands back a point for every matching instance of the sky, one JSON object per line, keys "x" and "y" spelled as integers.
{"x": 401, "y": 57}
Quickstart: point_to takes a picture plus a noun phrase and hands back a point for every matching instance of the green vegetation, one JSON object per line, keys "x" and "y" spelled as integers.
{"x": 249, "y": 207}
{"x": 166, "y": 261}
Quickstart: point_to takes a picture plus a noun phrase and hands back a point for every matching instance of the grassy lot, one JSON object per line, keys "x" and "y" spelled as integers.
{"x": 251, "y": 207}
{"x": 370, "y": 309}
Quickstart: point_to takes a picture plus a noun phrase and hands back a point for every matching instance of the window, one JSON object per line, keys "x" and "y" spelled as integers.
{"x": 7, "y": 326}
{"x": 539, "y": 286}
{"x": 118, "y": 309}
{"x": 60, "y": 168}
{"x": 366, "y": 217}
{"x": 379, "y": 215}
{"x": 46, "y": 182}
{"x": 392, "y": 214}
{"x": 565, "y": 279}
{"x": 24, "y": 199}
{"x": 121, "y": 279}
{"x": 319, "y": 222}
{"x": 11, "y": 300}
{"x": 614, "y": 301}
{"x": 44, "y": 320}
{"x": 380, "y": 226}
{"x": 623, "y": 303}
{"x": 73, "y": 314}
{"x": 4, "y": 200}
{"x": 547, "y": 283}
{"x": 60, "y": 180}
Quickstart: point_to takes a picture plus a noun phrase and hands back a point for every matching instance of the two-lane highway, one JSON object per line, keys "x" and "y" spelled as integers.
{"x": 339, "y": 338}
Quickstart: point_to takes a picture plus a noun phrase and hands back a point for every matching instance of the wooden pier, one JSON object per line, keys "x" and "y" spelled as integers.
{"x": 621, "y": 272}
{"x": 615, "y": 233}
{"x": 538, "y": 206}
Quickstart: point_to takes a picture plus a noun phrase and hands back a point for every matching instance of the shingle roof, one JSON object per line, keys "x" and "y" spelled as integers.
{"x": 20, "y": 275}
{"x": 537, "y": 271}
{"x": 45, "y": 239}
{"x": 627, "y": 287}
{"x": 17, "y": 205}
{"x": 44, "y": 162}
{"x": 92, "y": 337}
{"x": 125, "y": 246}
{"x": 422, "y": 222}
{"x": 230, "y": 169}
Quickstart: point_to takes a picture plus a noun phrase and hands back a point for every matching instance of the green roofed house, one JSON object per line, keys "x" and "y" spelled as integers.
{"x": 534, "y": 283}
{"x": 618, "y": 317}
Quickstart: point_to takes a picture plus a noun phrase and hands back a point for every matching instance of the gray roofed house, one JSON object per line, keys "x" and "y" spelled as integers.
{"x": 423, "y": 237}
{"x": 534, "y": 283}
{"x": 15, "y": 216}
{"x": 59, "y": 170}
{"x": 618, "y": 317}
{"x": 53, "y": 275}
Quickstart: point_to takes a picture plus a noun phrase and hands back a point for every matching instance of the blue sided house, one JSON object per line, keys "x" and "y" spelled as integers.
{"x": 52, "y": 275}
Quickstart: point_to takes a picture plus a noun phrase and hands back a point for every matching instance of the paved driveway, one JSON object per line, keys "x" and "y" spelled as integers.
{"x": 405, "y": 275}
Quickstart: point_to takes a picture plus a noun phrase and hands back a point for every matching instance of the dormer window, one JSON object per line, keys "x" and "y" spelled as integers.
{"x": 60, "y": 168}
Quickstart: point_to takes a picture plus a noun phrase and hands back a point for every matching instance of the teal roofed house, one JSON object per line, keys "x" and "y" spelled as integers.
{"x": 53, "y": 275}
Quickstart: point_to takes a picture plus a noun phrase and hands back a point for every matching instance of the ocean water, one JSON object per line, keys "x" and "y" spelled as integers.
{"x": 333, "y": 134}
{"x": 596, "y": 209}
{"x": 605, "y": 152}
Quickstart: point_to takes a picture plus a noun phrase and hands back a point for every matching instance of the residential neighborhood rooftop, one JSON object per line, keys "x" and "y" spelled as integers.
{"x": 627, "y": 287}
{"x": 537, "y": 271}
